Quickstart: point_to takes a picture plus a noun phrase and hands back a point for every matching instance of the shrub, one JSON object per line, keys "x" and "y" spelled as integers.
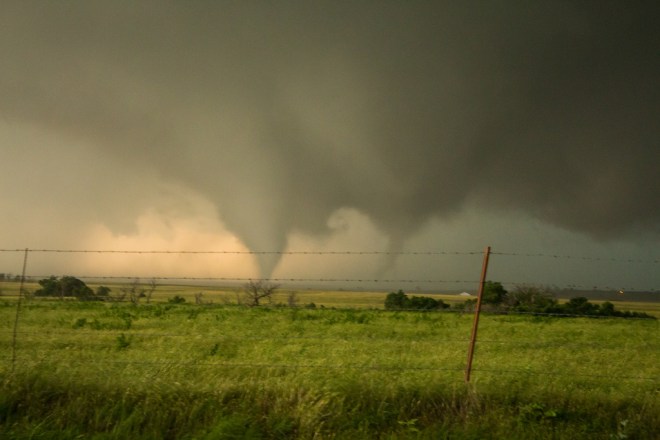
{"x": 67, "y": 286}
{"x": 396, "y": 301}
{"x": 425, "y": 303}
{"x": 494, "y": 293}
{"x": 530, "y": 299}
{"x": 103, "y": 292}
{"x": 400, "y": 301}
{"x": 123, "y": 341}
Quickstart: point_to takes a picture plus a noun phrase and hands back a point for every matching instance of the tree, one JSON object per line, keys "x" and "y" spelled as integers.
{"x": 135, "y": 291}
{"x": 292, "y": 299}
{"x": 530, "y": 299}
{"x": 67, "y": 286}
{"x": 49, "y": 287}
{"x": 72, "y": 286}
{"x": 401, "y": 301}
{"x": 494, "y": 293}
{"x": 176, "y": 299}
{"x": 150, "y": 291}
{"x": 580, "y": 306}
{"x": 426, "y": 303}
{"x": 396, "y": 300}
{"x": 255, "y": 291}
{"x": 607, "y": 309}
{"x": 103, "y": 291}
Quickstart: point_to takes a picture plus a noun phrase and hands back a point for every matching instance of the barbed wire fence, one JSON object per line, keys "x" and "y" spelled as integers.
{"x": 381, "y": 281}
{"x": 22, "y": 295}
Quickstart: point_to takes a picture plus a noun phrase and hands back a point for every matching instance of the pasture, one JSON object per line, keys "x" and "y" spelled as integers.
{"x": 344, "y": 370}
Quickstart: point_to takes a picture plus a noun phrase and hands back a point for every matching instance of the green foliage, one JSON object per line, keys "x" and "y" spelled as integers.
{"x": 400, "y": 301}
{"x": 103, "y": 291}
{"x": 123, "y": 341}
{"x": 530, "y": 298}
{"x": 465, "y": 306}
{"x": 396, "y": 300}
{"x": 176, "y": 299}
{"x": 79, "y": 323}
{"x": 426, "y": 303}
{"x": 582, "y": 307}
{"x": 494, "y": 293}
{"x": 535, "y": 300}
{"x": 67, "y": 286}
{"x": 538, "y": 413}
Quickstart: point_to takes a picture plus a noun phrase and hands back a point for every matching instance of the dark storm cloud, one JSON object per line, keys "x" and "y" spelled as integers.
{"x": 281, "y": 113}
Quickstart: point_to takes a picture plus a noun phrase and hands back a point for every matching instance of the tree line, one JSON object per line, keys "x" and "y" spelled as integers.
{"x": 72, "y": 287}
{"x": 9, "y": 277}
{"x": 523, "y": 299}
{"x": 495, "y": 298}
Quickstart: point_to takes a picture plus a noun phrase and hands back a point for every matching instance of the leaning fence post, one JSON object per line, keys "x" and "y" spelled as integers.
{"x": 477, "y": 310}
{"x": 18, "y": 312}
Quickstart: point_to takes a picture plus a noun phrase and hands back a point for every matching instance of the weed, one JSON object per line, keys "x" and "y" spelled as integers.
{"x": 123, "y": 341}
{"x": 621, "y": 431}
{"x": 79, "y": 323}
{"x": 409, "y": 425}
{"x": 194, "y": 313}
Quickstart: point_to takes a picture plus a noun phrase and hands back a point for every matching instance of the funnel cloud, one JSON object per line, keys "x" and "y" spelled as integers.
{"x": 282, "y": 114}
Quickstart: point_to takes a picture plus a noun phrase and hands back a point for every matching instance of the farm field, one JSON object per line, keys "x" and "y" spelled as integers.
{"x": 344, "y": 370}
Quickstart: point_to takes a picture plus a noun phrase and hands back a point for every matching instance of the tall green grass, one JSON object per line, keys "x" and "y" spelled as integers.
{"x": 115, "y": 371}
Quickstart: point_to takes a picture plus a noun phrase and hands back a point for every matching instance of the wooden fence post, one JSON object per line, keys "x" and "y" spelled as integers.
{"x": 477, "y": 310}
{"x": 14, "y": 339}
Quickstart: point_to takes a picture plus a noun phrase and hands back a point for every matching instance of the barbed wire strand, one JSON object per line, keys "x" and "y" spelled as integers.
{"x": 133, "y": 277}
{"x": 574, "y": 257}
{"x": 276, "y": 279}
{"x": 339, "y": 252}
{"x": 221, "y": 252}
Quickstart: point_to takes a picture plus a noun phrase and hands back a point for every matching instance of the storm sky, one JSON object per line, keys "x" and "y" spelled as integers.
{"x": 361, "y": 126}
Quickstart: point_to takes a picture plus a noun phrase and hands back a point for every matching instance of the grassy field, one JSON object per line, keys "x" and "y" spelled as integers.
{"x": 345, "y": 370}
{"x": 223, "y": 295}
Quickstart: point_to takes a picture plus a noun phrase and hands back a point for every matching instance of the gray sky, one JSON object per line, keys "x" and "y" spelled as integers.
{"x": 377, "y": 126}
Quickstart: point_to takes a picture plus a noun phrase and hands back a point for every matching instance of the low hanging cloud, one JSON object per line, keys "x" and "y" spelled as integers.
{"x": 283, "y": 114}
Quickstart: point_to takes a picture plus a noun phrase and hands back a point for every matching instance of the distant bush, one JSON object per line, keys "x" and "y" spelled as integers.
{"x": 494, "y": 293}
{"x": 581, "y": 306}
{"x": 67, "y": 286}
{"x": 538, "y": 301}
{"x": 400, "y": 301}
{"x": 465, "y": 306}
{"x": 176, "y": 300}
{"x": 396, "y": 300}
{"x": 103, "y": 292}
{"x": 535, "y": 300}
{"x": 531, "y": 299}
